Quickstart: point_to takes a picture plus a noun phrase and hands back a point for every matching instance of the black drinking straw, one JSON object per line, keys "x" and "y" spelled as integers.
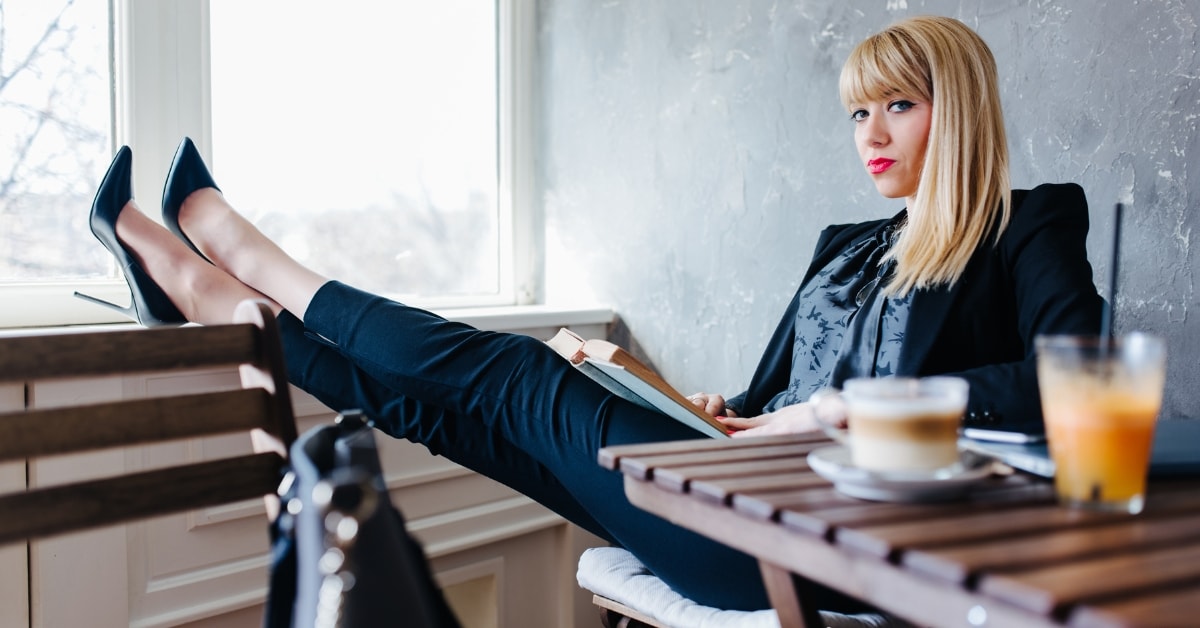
{"x": 1109, "y": 313}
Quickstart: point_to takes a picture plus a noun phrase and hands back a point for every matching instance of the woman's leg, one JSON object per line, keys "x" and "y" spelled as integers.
{"x": 526, "y": 394}
{"x": 513, "y": 386}
{"x": 338, "y": 383}
{"x": 578, "y": 488}
{"x": 203, "y": 293}
{"x": 238, "y": 247}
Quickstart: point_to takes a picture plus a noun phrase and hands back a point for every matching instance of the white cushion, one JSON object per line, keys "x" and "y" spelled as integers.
{"x": 618, "y": 575}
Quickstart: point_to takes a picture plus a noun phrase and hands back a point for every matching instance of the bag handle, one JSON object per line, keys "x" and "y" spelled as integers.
{"x": 344, "y": 502}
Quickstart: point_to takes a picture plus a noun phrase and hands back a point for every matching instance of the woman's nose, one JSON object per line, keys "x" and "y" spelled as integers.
{"x": 874, "y": 132}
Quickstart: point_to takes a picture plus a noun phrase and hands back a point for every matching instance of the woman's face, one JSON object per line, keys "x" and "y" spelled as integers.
{"x": 891, "y": 136}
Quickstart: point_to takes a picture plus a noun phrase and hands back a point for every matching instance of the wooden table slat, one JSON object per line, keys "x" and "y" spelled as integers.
{"x": 874, "y": 514}
{"x": 647, "y": 466}
{"x": 679, "y": 478}
{"x": 610, "y": 457}
{"x": 823, "y": 515}
{"x": 1172, "y": 607}
{"x": 886, "y": 540}
{"x": 764, "y": 506}
{"x": 771, "y": 504}
{"x": 1051, "y": 589}
{"x": 961, "y": 563}
{"x": 722, "y": 490}
{"x": 709, "y": 482}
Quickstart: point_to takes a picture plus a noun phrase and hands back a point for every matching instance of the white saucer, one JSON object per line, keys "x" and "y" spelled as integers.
{"x": 834, "y": 464}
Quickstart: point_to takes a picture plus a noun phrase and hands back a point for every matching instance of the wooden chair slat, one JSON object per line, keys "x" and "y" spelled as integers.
{"x": 55, "y": 510}
{"x": 261, "y": 408}
{"x": 614, "y": 614}
{"x": 269, "y": 371}
{"x": 137, "y": 421}
{"x": 1051, "y": 589}
{"x": 960, "y": 563}
{"x": 64, "y": 355}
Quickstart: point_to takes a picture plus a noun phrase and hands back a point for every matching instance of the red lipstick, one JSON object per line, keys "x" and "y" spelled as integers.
{"x": 879, "y": 164}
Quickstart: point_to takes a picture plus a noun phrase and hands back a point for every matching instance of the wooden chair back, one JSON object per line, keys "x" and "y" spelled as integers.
{"x": 261, "y": 407}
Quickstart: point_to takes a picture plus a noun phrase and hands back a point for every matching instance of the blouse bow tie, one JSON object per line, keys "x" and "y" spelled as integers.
{"x": 859, "y": 272}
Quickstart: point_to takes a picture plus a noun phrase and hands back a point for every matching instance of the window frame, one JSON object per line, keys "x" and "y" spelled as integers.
{"x": 160, "y": 75}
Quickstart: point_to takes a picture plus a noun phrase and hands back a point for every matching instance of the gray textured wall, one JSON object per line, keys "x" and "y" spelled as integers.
{"x": 702, "y": 142}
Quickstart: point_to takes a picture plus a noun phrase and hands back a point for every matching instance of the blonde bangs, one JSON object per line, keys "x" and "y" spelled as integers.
{"x": 883, "y": 66}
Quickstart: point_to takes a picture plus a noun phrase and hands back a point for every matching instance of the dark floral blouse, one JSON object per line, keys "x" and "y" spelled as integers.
{"x": 849, "y": 328}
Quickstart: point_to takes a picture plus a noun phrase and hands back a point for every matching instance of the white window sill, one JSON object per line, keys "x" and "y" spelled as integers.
{"x": 518, "y": 317}
{"x": 512, "y": 318}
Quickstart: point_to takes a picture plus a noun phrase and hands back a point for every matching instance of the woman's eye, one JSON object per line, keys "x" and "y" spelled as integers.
{"x": 858, "y": 115}
{"x": 900, "y": 106}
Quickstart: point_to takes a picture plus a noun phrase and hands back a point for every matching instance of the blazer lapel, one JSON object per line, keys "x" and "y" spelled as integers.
{"x": 926, "y": 313}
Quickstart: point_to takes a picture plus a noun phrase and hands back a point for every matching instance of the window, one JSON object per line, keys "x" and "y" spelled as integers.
{"x": 363, "y": 140}
{"x": 381, "y": 143}
{"x": 54, "y": 139}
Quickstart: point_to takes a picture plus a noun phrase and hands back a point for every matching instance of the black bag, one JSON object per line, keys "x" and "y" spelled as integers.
{"x": 341, "y": 556}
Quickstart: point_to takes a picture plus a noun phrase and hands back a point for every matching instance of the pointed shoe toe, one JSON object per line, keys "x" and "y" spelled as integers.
{"x": 187, "y": 174}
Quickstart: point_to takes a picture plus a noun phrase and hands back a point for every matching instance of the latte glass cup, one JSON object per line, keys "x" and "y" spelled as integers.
{"x": 1100, "y": 403}
{"x": 904, "y": 424}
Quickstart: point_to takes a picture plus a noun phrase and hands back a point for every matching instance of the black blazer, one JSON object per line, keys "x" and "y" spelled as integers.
{"x": 1035, "y": 280}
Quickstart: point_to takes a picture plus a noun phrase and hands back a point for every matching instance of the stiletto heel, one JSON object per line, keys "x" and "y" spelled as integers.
{"x": 187, "y": 174}
{"x": 149, "y": 305}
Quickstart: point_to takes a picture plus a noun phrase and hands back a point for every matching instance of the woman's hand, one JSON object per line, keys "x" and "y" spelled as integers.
{"x": 801, "y": 417}
{"x": 711, "y": 403}
{"x": 786, "y": 420}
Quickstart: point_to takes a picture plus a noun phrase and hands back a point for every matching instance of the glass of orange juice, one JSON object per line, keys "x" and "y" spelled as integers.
{"x": 1100, "y": 402}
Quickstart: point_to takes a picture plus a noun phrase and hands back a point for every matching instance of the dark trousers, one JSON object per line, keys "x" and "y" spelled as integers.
{"x": 510, "y": 408}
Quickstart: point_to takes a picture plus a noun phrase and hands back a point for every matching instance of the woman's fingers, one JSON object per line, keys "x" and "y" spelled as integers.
{"x": 712, "y": 404}
{"x": 787, "y": 420}
{"x": 739, "y": 422}
{"x": 829, "y": 407}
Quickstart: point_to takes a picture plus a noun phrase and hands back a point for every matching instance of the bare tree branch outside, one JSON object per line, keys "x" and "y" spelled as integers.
{"x": 54, "y": 135}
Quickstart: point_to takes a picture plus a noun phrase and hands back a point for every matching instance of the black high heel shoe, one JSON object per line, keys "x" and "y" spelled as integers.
{"x": 149, "y": 305}
{"x": 187, "y": 174}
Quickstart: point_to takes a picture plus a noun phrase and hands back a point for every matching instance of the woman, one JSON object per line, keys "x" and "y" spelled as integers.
{"x": 960, "y": 283}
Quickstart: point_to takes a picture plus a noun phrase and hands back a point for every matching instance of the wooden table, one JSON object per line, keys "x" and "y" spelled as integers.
{"x": 1005, "y": 555}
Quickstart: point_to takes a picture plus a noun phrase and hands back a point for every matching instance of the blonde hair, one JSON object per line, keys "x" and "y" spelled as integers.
{"x": 963, "y": 194}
